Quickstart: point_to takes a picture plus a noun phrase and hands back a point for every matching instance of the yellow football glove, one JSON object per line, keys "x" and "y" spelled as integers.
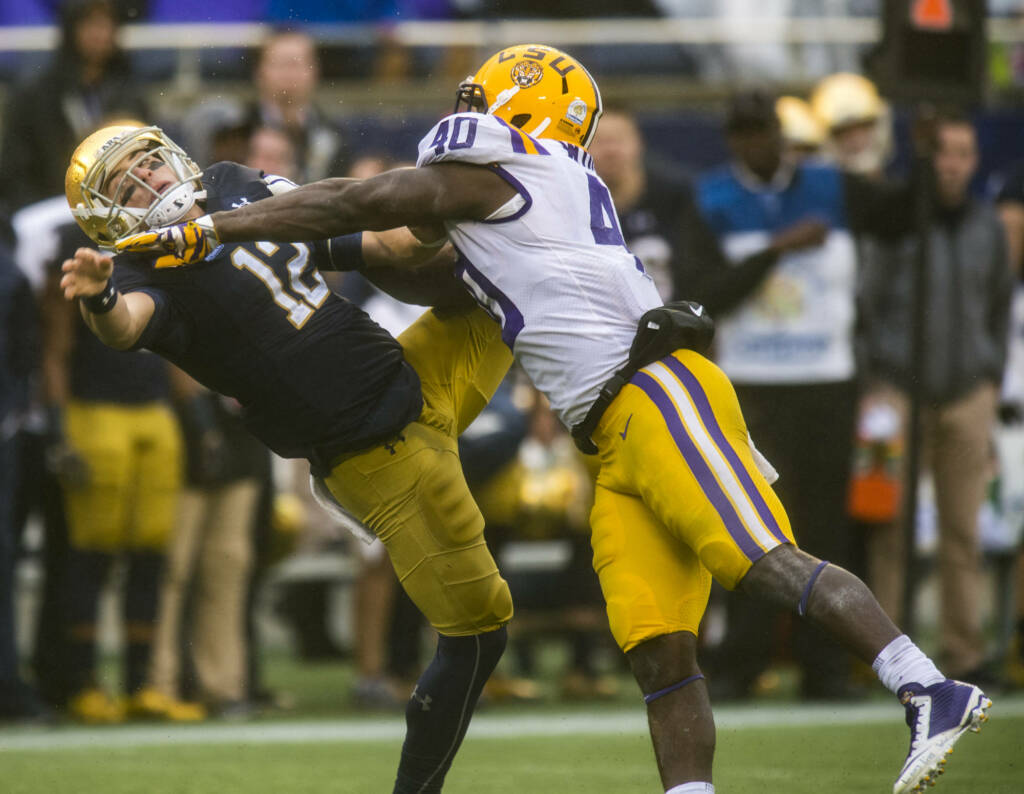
{"x": 181, "y": 244}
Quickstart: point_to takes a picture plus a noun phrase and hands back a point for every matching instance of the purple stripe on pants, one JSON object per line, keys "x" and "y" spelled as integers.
{"x": 700, "y": 399}
{"x": 699, "y": 467}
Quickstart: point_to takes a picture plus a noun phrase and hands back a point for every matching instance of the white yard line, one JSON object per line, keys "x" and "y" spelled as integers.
{"x": 575, "y": 723}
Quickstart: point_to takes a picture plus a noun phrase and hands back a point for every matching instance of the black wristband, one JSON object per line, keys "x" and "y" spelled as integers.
{"x": 346, "y": 251}
{"x": 103, "y": 302}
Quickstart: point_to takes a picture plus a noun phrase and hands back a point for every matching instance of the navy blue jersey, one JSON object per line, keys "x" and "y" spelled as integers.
{"x": 97, "y": 373}
{"x": 316, "y": 377}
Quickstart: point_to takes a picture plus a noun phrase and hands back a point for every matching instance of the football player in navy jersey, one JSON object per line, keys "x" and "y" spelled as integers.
{"x": 377, "y": 417}
{"x": 681, "y": 496}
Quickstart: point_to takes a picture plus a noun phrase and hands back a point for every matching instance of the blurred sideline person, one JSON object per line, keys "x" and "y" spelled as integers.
{"x": 116, "y": 447}
{"x": 967, "y": 320}
{"x": 857, "y": 121}
{"x": 272, "y": 151}
{"x": 786, "y": 340}
{"x": 19, "y": 353}
{"x": 376, "y": 417}
{"x": 88, "y": 79}
{"x": 681, "y": 495}
{"x": 287, "y": 73}
{"x": 203, "y": 598}
{"x": 662, "y": 224}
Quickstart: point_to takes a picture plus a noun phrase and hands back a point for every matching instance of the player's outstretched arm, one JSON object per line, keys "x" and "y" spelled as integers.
{"x": 117, "y": 319}
{"x": 402, "y": 197}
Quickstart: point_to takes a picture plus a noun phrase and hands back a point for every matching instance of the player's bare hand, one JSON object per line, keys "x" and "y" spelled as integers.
{"x": 806, "y": 233}
{"x": 86, "y": 273}
{"x": 181, "y": 244}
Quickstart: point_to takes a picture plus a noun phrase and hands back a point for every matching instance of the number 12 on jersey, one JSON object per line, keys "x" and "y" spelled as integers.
{"x": 301, "y": 300}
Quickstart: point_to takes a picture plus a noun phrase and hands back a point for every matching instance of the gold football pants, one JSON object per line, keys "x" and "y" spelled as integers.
{"x": 410, "y": 490}
{"x": 134, "y": 457}
{"x": 679, "y": 499}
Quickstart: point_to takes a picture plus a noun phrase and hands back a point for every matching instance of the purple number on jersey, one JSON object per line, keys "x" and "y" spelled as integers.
{"x": 463, "y": 135}
{"x": 603, "y": 222}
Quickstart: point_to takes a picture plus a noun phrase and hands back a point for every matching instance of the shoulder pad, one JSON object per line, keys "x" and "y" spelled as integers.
{"x": 477, "y": 138}
{"x": 230, "y": 185}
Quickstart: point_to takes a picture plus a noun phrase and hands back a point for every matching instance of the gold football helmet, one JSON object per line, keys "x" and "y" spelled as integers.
{"x": 101, "y": 179}
{"x": 538, "y": 89}
{"x": 844, "y": 98}
{"x": 858, "y": 122}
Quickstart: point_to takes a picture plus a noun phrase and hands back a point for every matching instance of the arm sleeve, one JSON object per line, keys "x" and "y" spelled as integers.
{"x": 167, "y": 329}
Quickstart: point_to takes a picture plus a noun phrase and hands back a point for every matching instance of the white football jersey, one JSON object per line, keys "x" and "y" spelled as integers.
{"x": 550, "y": 265}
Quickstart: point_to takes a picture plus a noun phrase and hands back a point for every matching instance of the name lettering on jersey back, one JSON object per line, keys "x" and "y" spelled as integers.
{"x": 578, "y": 155}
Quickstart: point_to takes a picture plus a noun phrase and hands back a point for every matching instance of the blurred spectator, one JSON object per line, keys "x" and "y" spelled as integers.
{"x": 664, "y": 227}
{"x": 39, "y": 494}
{"x": 18, "y": 353}
{"x": 201, "y": 618}
{"x": 858, "y": 123}
{"x": 287, "y": 73}
{"x": 272, "y": 151}
{"x": 87, "y": 81}
{"x": 966, "y": 313}
{"x": 785, "y": 338}
{"x": 116, "y": 448}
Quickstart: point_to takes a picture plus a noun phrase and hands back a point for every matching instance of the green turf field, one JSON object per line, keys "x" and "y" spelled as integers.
{"x": 762, "y": 749}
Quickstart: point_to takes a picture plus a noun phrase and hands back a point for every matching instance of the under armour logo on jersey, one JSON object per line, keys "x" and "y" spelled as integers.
{"x": 423, "y": 700}
{"x": 390, "y": 447}
{"x": 240, "y": 203}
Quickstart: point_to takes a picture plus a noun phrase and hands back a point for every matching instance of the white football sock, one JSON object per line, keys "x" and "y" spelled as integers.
{"x": 901, "y": 662}
{"x": 692, "y": 788}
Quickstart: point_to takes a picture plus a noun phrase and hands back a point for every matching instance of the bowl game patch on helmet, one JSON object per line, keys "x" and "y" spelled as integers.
{"x": 577, "y": 111}
{"x": 527, "y": 73}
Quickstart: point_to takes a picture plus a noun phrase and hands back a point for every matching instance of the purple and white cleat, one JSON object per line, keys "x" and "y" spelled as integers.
{"x": 938, "y": 716}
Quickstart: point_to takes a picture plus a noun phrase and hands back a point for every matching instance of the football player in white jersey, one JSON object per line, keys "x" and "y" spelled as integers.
{"x": 680, "y": 496}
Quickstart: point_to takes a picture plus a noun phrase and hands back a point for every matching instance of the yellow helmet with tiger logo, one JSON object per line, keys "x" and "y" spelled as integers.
{"x": 542, "y": 91}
